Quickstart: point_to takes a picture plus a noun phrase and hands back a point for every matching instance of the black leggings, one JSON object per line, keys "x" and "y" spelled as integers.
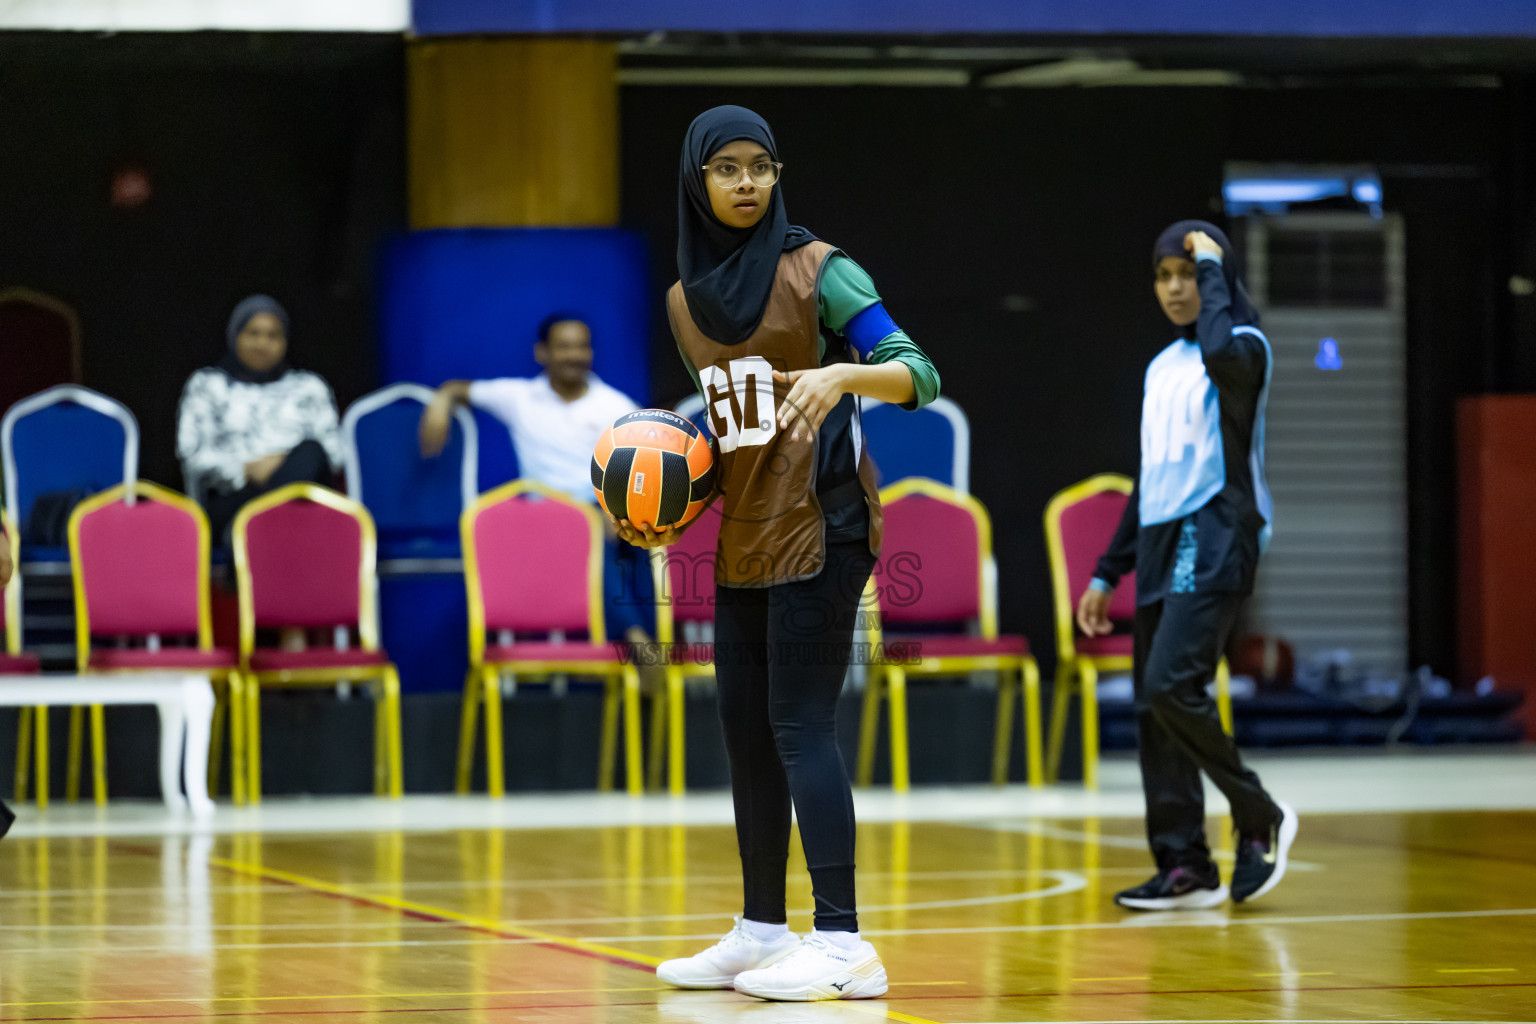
{"x": 307, "y": 463}
{"x": 780, "y": 656}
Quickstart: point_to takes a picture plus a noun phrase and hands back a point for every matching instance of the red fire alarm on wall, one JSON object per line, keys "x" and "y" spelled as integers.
{"x": 130, "y": 187}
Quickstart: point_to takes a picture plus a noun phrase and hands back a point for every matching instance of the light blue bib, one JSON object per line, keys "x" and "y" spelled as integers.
{"x": 1181, "y": 462}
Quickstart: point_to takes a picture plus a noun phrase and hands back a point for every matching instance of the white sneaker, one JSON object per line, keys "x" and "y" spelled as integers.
{"x": 718, "y": 966}
{"x": 818, "y": 970}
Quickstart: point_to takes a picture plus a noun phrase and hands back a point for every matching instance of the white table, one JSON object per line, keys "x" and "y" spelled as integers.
{"x": 185, "y": 702}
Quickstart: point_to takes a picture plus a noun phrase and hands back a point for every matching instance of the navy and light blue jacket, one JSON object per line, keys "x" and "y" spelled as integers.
{"x": 1201, "y": 512}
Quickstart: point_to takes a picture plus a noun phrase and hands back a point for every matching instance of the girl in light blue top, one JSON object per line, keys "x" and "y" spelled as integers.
{"x": 1193, "y": 531}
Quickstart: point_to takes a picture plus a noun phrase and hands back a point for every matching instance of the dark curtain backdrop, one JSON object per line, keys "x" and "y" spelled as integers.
{"x": 1009, "y": 232}
{"x": 276, "y": 164}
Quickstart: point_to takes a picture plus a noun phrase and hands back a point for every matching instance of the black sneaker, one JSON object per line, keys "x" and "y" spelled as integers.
{"x": 1179, "y": 889}
{"x": 1261, "y": 859}
{"x": 6, "y": 817}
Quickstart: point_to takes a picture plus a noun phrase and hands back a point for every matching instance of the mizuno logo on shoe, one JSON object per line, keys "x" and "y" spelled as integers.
{"x": 838, "y": 986}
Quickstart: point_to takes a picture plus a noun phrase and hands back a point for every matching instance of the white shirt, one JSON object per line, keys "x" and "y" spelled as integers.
{"x": 553, "y": 438}
{"x": 224, "y": 423}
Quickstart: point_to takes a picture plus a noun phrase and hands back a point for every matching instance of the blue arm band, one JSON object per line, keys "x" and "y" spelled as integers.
{"x": 869, "y": 328}
{"x": 1213, "y": 257}
{"x": 1102, "y": 586}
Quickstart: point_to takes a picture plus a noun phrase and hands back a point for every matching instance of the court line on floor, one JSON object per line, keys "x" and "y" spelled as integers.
{"x": 1035, "y": 828}
{"x": 423, "y": 911}
{"x": 583, "y": 947}
{"x": 869, "y": 1009}
{"x": 535, "y": 883}
{"x": 1188, "y": 920}
{"x": 1066, "y": 882}
{"x": 1075, "y": 993}
{"x": 542, "y": 883}
{"x": 1272, "y": 1020}
{"x": 395, "y": 995}
{"x": 1185, "y": 919}
{"x": 872, "y": 1010}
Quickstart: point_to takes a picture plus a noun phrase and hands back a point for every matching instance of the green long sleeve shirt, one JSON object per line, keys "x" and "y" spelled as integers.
{"x": 846, "y": 291}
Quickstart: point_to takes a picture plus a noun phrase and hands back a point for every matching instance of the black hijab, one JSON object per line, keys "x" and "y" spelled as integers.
{"x": 232, "y": 364}
{"x": 1171, "y": 243}
{"x": 727, "y": 272}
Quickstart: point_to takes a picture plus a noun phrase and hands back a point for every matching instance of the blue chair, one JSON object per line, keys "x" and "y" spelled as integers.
{"x": 692, "y": 408}
{"x": 415, "y": 502}
{"x": 67, "y": 439}
{"x": 932, "y": 442}
{"x": 498, "y": 459}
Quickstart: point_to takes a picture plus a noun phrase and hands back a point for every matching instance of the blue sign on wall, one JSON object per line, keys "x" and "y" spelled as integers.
{"x": 1192, "y": 17}
{"x": 467, "y": 303}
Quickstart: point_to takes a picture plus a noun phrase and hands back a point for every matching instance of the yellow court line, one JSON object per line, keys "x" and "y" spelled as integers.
{"x": 484, "y": 924}
{"x": 1296, "y": 974}
{"x": 1474, "y": 970}
{"x": 411, "y": 906}
{"x": 905, "y": 1018}
{"x": 1137, "y": 977}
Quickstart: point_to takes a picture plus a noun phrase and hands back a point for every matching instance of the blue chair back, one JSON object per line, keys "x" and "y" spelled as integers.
{"x": 932, "y": 442}
{"x": 415, "y": 502}
{"x": 692, "y": 408}
{"x": 62, "y": 440}
{"x": 498, "y": 459}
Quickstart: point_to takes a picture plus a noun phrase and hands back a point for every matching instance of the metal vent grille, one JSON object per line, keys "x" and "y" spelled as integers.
{"x": 1335, "y": 576}
{"x": 1328, "y": 269}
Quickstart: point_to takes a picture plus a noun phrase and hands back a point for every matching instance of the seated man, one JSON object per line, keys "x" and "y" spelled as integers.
{"x": 555, "y": 420}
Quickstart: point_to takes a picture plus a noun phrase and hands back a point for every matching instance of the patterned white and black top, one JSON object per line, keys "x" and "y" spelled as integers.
{"x": 225, "y": 423}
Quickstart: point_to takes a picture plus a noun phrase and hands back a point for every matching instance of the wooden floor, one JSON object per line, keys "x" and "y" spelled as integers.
{"x": 1395, "y": 916}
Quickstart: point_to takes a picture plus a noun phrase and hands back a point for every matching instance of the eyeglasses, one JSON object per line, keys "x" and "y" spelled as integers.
{"x": 728, "y": 173}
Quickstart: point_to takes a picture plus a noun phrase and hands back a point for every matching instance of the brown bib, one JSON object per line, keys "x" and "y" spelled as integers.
{"x": 771, "y": 526}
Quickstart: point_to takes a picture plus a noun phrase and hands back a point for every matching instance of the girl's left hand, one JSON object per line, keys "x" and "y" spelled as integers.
{"x": 1198, "y": 242}
{"x": 812, "y": 394}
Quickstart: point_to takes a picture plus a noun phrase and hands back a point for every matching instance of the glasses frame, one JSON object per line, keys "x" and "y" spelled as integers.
{"x": 778, "y": 172}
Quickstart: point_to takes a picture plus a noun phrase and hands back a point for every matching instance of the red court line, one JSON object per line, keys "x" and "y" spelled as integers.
{"x": 419, "y": 915}
{"x": 588, "y": 1006}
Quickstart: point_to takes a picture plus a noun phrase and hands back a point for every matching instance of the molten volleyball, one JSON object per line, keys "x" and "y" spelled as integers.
{"x": 653, "y": 467}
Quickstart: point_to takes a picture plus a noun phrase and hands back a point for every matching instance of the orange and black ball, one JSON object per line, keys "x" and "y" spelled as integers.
{"x": 653, "y": 467}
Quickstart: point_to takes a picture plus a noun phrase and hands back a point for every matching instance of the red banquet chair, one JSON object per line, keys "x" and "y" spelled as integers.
{"x": 533, "y": 572}
{"x": 934, "y": 570}
{"x": 140, "y": 565}
{"x": 15, "y": 661}
{"x": 684, "y": 575}
{"x": 1079, "y": 523}
{"x": 305, "y": 558}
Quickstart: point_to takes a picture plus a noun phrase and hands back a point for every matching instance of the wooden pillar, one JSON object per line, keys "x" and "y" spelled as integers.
{"x": 513, "y": 133}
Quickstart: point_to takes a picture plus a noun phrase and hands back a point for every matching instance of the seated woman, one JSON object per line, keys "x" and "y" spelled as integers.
{"x": 252, "y": 423}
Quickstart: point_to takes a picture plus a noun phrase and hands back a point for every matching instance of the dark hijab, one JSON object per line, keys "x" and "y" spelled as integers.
{"x": 727, "y": 272}
{"x": 231, "y": 364}
{"x": 1171, "y": 243}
